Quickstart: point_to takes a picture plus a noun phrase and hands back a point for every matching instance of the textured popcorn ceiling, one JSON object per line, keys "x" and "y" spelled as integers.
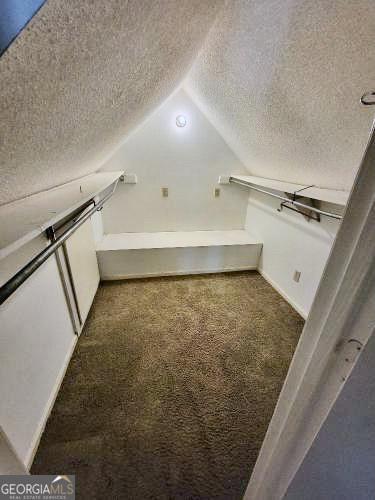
{"x": 281, "y": 80}
{"x": 82, "y": 75}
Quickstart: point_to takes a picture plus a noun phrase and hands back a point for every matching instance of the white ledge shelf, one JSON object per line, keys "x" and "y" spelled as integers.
{"x": 328, "y": 195}
{"x": 135, "y": 255}
{"x": 25, "y": 219}
{"x": 178, "y": 239}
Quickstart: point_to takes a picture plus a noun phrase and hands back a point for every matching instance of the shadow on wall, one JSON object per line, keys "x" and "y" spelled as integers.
{"x": 290, "y": 243}
{"x": 188, "y": 161}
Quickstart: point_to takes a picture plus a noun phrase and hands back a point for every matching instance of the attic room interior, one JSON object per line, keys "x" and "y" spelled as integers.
{"x": 187, "y": 267}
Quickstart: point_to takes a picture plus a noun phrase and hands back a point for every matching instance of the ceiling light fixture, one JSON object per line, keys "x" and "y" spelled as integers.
{"x": 180, "y": 121}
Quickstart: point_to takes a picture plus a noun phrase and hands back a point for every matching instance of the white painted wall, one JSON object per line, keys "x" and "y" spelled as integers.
{"x": 9, "y": 461}
{"x": 83, "y": 265}
{"x": 341, "y": 463}
{"x": 290, "y": 243}
{"x": 188, "y": 161}
{"x": 36, "y": 342}
{"x": 97, "y": 226}
{"x": 37, "y": 337}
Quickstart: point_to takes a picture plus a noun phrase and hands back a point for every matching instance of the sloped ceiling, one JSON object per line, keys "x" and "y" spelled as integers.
{"x": 281, "y": 81}
{"x": 82, "y": 75}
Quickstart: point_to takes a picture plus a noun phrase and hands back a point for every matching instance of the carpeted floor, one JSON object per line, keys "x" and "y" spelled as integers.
{"x": 171, "y": 388}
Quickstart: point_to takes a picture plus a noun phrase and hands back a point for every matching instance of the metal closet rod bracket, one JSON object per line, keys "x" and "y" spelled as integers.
{"x": 308, "y": 216}
{"x": 368, "y": 99}
{"x": 285, "y": 199}
{"x": 23, "y": 274}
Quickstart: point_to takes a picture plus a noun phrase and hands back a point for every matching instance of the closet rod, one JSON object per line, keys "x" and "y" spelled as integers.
{"x": 23, "y": 274}
{"x": 283, "y": 198}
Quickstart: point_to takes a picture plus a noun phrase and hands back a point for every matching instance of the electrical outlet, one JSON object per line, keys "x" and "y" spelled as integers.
{"x": 297, "y": 276}
{"x": 217, "y": 192}
{"x": 164, "y": 192}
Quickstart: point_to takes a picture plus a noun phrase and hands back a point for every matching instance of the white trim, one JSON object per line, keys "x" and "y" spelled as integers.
{"x": 285, "y": 296}
{"x": 48, "y": 408}
{"x": 175, "y": 239}
{"x": 177, "y": 273}
{"x": 343, "y": 309}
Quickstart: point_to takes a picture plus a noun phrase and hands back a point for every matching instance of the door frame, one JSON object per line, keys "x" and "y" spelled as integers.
{"x": 343, "y": 309}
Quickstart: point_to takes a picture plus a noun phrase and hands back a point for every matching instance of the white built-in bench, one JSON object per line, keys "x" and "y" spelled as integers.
{"x": 132, "y": 255}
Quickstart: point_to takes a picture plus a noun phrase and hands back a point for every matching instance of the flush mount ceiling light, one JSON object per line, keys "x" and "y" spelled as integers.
{"x": 180, "y": 121}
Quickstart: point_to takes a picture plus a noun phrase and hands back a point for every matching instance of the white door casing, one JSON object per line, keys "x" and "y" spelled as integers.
{"x": 343, "y": 309}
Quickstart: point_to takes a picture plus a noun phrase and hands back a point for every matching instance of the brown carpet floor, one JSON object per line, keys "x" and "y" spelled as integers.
{"x": 171, "y": 388}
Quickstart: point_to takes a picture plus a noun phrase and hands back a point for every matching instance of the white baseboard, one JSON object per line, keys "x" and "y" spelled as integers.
{"x": 285, "y": 296}
{"x": 48, "y": 408}
{"x": 176, "y": 273}
{"x": 274, "y": 285}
